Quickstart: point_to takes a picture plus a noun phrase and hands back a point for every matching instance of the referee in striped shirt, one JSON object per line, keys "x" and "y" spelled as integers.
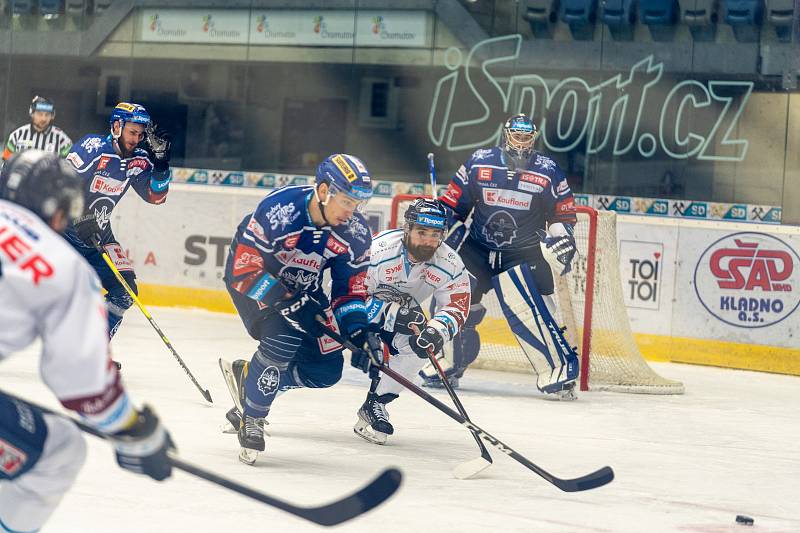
{"x": 40, "y": 133}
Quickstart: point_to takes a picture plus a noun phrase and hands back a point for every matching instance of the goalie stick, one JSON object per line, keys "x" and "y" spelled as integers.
{"x": 595, "y": 479}
{"x": 365, "y": 499}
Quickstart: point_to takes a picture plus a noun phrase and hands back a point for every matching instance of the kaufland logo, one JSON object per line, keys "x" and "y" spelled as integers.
{"x": 504, "y": 198}
{"x": 745, "y": 280}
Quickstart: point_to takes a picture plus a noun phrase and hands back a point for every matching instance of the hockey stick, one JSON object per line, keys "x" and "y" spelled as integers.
{"x": 475, "y": 466}
{"x": 593, "y": 480}
{"x": 118, "y": 275}
{"x": 365, "y": 499}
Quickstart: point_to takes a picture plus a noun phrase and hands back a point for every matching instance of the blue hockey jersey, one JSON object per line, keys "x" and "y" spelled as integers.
{"x": 107, "y": 177}
{"x": 508, "y": 206}
{"x": 278, "y": 250}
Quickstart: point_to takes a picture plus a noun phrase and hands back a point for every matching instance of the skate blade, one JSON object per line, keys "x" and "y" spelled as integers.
{"x": 561, "y": 396}
{"x": 227, "y": 428}
{"x": 248, "y": 456}
{"x": 471, "y": 468}
{"x": 368, "y": 434}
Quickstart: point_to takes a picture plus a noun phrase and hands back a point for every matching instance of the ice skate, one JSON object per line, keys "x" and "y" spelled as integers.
{"x": 251, "y": 439}
{"x": 567, "y": 394}
{"x": 373, "y": 420}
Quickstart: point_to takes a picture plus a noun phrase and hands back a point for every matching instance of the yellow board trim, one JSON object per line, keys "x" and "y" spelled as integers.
{"x": 653, "y": 347}
{"x": 186, "y": 297}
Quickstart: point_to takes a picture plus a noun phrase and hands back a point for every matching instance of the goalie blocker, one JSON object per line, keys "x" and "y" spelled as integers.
{"x": 541, "y": 339}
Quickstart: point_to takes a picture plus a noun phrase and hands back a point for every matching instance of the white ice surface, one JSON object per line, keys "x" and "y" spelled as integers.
{"x": 730, "y": 445}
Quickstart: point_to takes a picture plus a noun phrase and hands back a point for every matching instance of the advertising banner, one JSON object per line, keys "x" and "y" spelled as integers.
{"x": 185, "y": 241}
{"x": 286, "y": 27}
{"x": 746, "y": 284}
{"x": 623, "y": 205}
{"x": 213, "y": 26}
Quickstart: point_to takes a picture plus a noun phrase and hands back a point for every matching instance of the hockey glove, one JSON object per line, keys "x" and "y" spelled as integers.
{"x": 456, "y": 235}
{"x": 87, "y": 229}
{"x": 371, "y": 349}
{"x": 429, "y": 340}
{"x": 563, "y": 247}
{"x": 409, "y": 321}
{"x": 159, "y": 144}
{"x": 142, "y": 448}
{"x": 302, "y": 312}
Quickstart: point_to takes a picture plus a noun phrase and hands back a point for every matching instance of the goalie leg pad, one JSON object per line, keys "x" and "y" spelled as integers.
{"x": 540, "y": 338}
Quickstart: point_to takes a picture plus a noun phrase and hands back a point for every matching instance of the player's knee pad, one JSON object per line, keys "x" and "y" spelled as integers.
{"x": 278, "y": 348}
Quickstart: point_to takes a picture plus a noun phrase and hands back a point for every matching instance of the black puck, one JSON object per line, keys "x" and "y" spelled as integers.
{"x": 744, "y": 520}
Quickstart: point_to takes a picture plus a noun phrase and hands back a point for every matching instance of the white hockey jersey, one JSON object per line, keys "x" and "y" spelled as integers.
{"x": 393, "y": 279}
{"x": 48, "y": 291}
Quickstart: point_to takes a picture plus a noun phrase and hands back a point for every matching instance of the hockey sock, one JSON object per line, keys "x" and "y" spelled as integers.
{"x": 268, "y": 373}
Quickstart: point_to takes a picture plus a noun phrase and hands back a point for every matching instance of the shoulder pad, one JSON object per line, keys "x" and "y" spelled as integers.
{"x": 447, "y": 259}
{"x": 356, "y": 231}
{"x": 92, "y": 144}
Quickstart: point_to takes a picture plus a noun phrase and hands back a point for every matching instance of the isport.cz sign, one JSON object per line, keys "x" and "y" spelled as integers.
{"x": 612, "y": 116}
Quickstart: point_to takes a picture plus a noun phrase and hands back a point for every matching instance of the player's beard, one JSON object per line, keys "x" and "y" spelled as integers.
{"x": 421, "y": 253}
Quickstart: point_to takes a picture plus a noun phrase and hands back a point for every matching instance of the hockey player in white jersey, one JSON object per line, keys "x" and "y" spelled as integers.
{"x": 48, "y": 291}
{"x": 408, "y": 266}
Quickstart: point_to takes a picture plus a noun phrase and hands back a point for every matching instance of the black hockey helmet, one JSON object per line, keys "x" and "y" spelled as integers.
{"x": 428, "y": 213}
{"x": 518, "y": 137}
{"x": 43, "y": 183}
{"x": 40, "y": 103}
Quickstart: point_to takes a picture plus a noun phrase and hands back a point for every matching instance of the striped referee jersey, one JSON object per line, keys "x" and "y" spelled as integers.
{"x": 25, "y": 137}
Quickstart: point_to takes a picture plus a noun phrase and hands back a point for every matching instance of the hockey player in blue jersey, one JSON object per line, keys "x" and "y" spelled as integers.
{"x": 513, "y": 194}
{"x": 135, "y": 154}
{"x": 274, "y": 276}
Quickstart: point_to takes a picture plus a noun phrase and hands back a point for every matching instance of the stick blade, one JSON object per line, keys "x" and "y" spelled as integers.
{"x": 596, "y": 479}
{"x": 372, "y": 495}
{"x": 471, "y": 468}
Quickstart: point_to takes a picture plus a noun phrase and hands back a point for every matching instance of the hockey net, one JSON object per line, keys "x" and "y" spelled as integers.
{"x": 590, "y": 305}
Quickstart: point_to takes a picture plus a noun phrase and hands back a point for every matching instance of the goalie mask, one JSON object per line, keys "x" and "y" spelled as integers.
{"x": 424, "y": 229}
{"x": 517, "y": 140}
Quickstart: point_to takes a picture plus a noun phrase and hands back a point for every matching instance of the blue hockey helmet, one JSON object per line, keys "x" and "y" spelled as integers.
{"x": 125, "y": 112}
{"x": 518, "y": 137}
{"x": 345, "y": 174}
